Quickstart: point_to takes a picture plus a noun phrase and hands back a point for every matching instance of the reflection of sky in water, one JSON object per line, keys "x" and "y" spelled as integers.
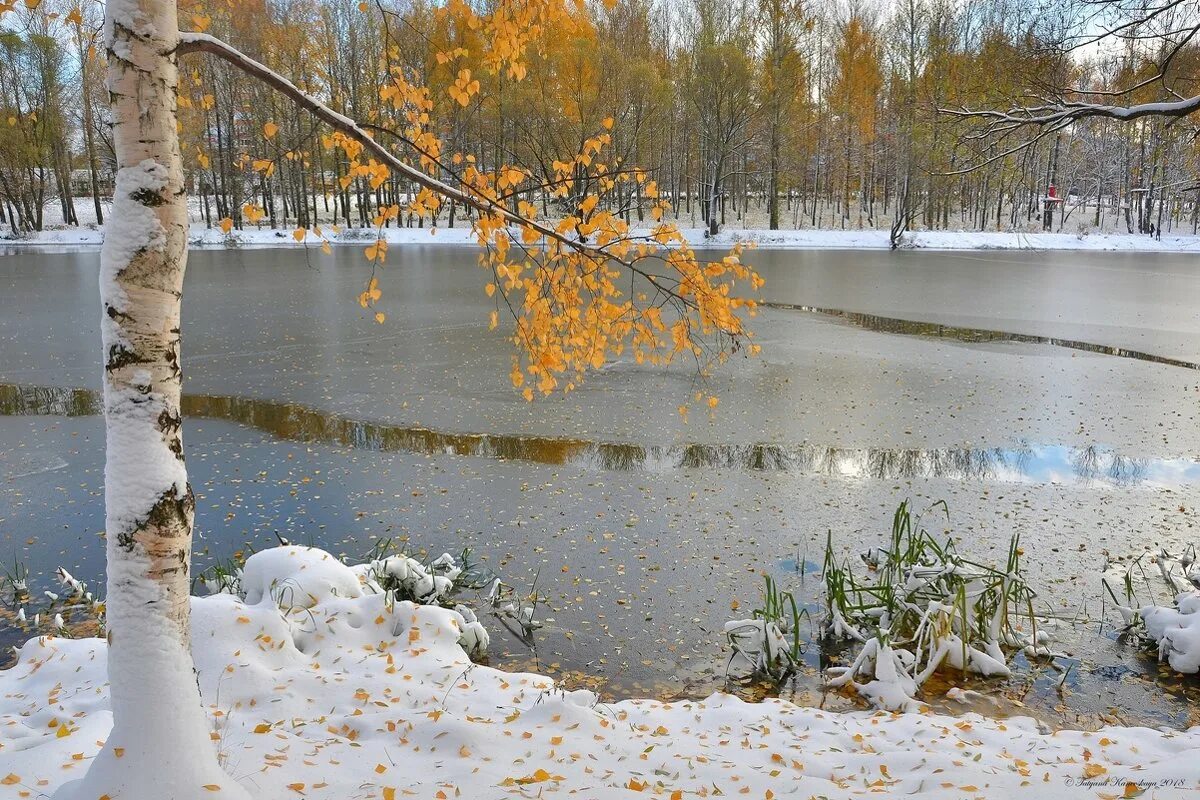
{"x": 1060, "y": 464}
{"x": 1026, "y": 464}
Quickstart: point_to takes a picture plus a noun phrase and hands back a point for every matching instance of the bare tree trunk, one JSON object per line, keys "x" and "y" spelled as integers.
{"x": 159, "y": 727}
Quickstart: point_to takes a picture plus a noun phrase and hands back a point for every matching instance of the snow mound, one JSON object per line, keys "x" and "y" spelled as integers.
{"x": 297, "y": 576}
{"x": 1177, "y": 631}
{"x": 359, "y": 696}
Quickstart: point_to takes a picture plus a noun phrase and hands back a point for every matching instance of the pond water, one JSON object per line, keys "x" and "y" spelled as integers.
{"x": 1053, "y": 396}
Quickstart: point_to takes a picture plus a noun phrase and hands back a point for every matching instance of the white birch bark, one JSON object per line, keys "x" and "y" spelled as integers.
{"x": 159, "y": 747}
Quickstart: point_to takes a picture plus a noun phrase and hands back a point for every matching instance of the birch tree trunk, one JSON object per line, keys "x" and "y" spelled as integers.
{"x": 159, "y": 729}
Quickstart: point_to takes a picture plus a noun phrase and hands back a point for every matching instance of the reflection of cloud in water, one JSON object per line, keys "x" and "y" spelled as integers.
{"x": 1024, "y": 464}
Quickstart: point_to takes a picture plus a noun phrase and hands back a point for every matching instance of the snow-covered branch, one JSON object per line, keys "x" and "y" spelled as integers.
{"x": 1052, "y": 117}
{"x": 1064, "y": 112}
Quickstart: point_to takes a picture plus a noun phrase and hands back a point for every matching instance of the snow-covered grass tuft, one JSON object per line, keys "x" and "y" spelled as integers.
{"x": 14, "y": 583}
{"x": 769, "y": 643}
{"x": 1160, "y": 602}
{"x": 924, "y": 608}
{"x": 72, "y": 611}
{"x": 511, "y": 608}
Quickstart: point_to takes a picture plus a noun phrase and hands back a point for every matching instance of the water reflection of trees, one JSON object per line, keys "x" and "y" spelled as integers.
{"x": 297, "y": 422}
{"x": 1090, "y": 463}
{"x": 48, "y": 401}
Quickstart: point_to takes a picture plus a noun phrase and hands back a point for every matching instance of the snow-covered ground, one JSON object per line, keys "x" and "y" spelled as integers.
{"x": 342, "y": 695}
{"x": 781, "y": 239}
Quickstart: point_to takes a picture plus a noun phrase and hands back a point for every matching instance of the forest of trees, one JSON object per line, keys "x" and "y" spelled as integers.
{"x": 755, "y": 113}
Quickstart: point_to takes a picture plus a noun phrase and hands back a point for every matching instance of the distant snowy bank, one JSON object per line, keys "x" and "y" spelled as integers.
{"x": 782, "y": 239}
{"x": 318, "y": 687}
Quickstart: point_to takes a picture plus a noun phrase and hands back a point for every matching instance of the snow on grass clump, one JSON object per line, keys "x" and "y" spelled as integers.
{"x": 74, "y": 610}
{"x": 1172, "y": 624}
{"x": 1177, "y": 631}
{"x": 296, "y": 578}
{"x": 926, "y": 608}
{"x": 769, "y": 643}
{"x": 363, "y": 697}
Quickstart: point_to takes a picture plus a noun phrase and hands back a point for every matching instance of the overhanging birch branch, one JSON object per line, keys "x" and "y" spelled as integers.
{"x": 191, "y": 42}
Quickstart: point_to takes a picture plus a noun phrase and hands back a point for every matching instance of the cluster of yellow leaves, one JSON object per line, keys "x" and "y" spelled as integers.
{"x": 571, "y": 308}
{"x": 511, "y": 29}
{"x": 463, "y": 87}
{"x": 414, "y": 104}
{"x": 446, "y": 56}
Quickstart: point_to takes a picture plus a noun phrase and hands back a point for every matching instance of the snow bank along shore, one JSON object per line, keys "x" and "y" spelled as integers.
{"x": 784, "y": 239}
{"x": 318, "y": 686}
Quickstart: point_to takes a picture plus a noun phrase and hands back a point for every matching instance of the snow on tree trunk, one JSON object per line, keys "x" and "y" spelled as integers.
{"x": 159, "y": 746}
